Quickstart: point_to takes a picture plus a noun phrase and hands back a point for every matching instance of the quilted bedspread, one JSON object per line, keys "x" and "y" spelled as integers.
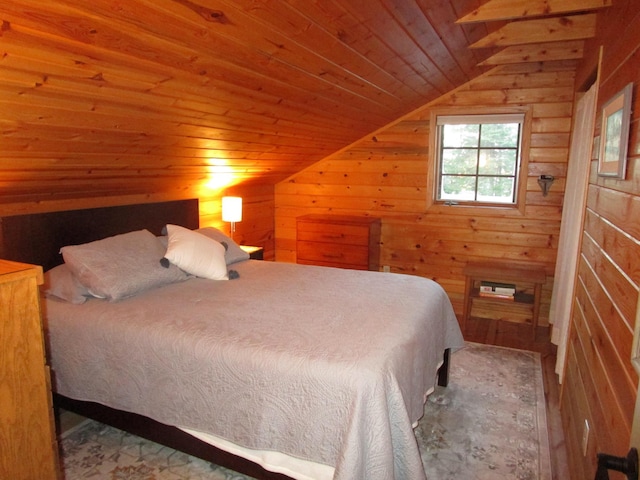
{"x": 327, "y": 365}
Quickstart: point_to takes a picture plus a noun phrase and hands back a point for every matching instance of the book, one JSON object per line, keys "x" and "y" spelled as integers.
{"x": 497, "y": 295}
{"x": 497, "y": 288}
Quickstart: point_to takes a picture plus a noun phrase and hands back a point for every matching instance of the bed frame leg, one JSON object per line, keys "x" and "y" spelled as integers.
{"x": 443, "y": 371}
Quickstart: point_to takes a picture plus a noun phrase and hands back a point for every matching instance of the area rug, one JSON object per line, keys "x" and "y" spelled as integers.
{"x": 489, "y": 423}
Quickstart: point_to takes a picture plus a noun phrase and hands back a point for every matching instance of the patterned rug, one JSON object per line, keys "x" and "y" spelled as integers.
{"x": 489, "y": 423}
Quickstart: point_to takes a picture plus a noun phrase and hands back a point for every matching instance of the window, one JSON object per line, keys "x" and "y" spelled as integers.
{"x": 478, "y": 158}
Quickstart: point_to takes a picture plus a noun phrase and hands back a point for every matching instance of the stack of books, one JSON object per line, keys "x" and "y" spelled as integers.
{"x": 506, "y": 291}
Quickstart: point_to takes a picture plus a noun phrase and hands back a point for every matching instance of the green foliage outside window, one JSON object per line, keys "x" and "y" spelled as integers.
{"x": 479, "y": 162}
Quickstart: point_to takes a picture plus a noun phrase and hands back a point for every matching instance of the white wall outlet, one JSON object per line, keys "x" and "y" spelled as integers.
{"x": 386, "y": 268}
{"x": 585, "y": 437}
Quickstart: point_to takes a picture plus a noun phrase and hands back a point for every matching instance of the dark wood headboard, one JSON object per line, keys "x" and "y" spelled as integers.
{"x": 37, "y": 238}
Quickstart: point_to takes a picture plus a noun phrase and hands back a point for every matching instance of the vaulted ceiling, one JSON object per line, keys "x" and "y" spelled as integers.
{"x": 175, "y": 91}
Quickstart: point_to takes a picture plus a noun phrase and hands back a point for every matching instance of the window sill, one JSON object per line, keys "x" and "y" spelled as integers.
{"x": 479, "y": 210}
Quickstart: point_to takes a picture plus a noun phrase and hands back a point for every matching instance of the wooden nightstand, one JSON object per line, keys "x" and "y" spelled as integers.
{"x": 255, "y": 253}
{"x": 525, "y": 305}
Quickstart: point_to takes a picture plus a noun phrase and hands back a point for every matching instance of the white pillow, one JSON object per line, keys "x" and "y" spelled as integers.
{"x": 196, "y": 254}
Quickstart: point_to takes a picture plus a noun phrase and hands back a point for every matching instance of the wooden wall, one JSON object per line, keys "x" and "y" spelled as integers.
{"x": 257, "y": 225}
{"x": 601, "y": 384}
{"x": 385, "y": 175}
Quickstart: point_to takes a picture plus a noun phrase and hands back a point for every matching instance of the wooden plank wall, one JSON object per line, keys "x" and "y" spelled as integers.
{"x": 601, "y": 384}
{"x": 257, "y": 225}
{"x": 385, "y": 175}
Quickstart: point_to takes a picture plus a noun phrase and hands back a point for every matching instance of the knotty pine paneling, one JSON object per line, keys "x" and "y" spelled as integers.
{"x": 570, "y": 426}
{"x": 256, "y": 227}
{"x": 104, "y": 99}
{"x": 385, "y": 175}
{"x": 601, "y": 384}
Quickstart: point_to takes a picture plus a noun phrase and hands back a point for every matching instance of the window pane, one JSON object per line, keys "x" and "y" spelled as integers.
{"x": 478, "y": 162}
{"x": 500, "y": 135}
{"x": 459, "y": 161}
{"x": 457, "y": 136}
{"x": 496, "y": 189}
{"x": 497, "y": 162}
{"x": 458, "y": 188}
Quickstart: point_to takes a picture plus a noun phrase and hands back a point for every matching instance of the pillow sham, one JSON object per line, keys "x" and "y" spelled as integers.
{"x": 59, "y": 283}
{"x": 234, "y": 253}
{"x": 121, "y": 266}
{"x": 196, "y": 253}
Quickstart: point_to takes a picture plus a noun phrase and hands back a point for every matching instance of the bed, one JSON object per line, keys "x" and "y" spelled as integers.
{"x": 306, "y": 372}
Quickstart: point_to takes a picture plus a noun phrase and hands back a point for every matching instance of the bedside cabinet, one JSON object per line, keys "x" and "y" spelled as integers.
{"x": 343, "y": 241}
{"x": 255, "y": 253}
{"x": 27, "y": 433}
{"x": 523, "y": 307}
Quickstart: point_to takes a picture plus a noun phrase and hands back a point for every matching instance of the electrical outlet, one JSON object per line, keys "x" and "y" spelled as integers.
{"x": 386, "y": 268}
{"x": 585, "y": 437}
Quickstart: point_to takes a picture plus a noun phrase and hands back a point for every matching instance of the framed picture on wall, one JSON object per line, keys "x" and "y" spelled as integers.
{"x": 614, "y": 134}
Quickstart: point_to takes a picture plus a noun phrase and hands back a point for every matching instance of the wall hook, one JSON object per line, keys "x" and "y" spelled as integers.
{"x": 545, "y": 182}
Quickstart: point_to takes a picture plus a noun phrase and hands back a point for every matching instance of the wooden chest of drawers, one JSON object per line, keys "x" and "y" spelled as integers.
{"x": 27, "y": 432}
{"x": 339, "y": 241}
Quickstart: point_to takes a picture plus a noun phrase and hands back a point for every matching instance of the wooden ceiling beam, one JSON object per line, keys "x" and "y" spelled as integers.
{"x": 511, "y": 9}
{"x": 557, "y": 29}
{"x": 539, "y": 52}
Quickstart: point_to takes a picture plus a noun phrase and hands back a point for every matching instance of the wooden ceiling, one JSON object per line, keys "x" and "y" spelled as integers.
{"x": 104, "y": 97}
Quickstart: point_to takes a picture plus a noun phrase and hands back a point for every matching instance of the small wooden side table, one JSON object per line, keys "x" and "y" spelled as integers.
{"x": 255, "y": 253}
{"x": 525, "y": 305}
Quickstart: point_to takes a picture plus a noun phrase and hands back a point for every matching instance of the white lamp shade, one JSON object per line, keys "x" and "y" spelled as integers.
{"x": 231, "y": 209}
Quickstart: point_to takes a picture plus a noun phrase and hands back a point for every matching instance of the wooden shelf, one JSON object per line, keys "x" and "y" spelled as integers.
{"x": 523, "y": 308}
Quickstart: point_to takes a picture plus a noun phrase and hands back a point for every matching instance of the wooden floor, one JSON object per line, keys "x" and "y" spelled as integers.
{"x": 515, "y": 335}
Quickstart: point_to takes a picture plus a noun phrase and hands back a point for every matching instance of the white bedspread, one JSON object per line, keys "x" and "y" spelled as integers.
{"x": 327, "y": 365}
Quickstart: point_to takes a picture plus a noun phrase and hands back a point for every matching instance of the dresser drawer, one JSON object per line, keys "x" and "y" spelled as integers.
{"x": 347, "y": 256}
{"x": 338, "y": 241}
{"x": 334, "y": 234}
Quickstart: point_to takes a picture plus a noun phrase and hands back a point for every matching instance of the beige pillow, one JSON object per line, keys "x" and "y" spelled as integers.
{"x": 234, "y": 253}
{"x": 60, "y": 283}
{"x": 120, "y": 266}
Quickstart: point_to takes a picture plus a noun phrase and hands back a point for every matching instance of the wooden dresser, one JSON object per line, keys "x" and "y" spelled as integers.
{"x": 28, "y": 448}
{"x": 344, "y": 241}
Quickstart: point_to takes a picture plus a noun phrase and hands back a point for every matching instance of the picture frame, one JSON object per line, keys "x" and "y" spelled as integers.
{"x": 614, "y": 134}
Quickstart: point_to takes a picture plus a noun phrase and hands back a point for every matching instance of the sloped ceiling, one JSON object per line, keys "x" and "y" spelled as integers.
{"x": 103, "y": 97}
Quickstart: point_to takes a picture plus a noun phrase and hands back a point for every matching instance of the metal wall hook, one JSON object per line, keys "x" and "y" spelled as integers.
{"x": 545, "y": 182}
{"x": 627, "y": 465}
